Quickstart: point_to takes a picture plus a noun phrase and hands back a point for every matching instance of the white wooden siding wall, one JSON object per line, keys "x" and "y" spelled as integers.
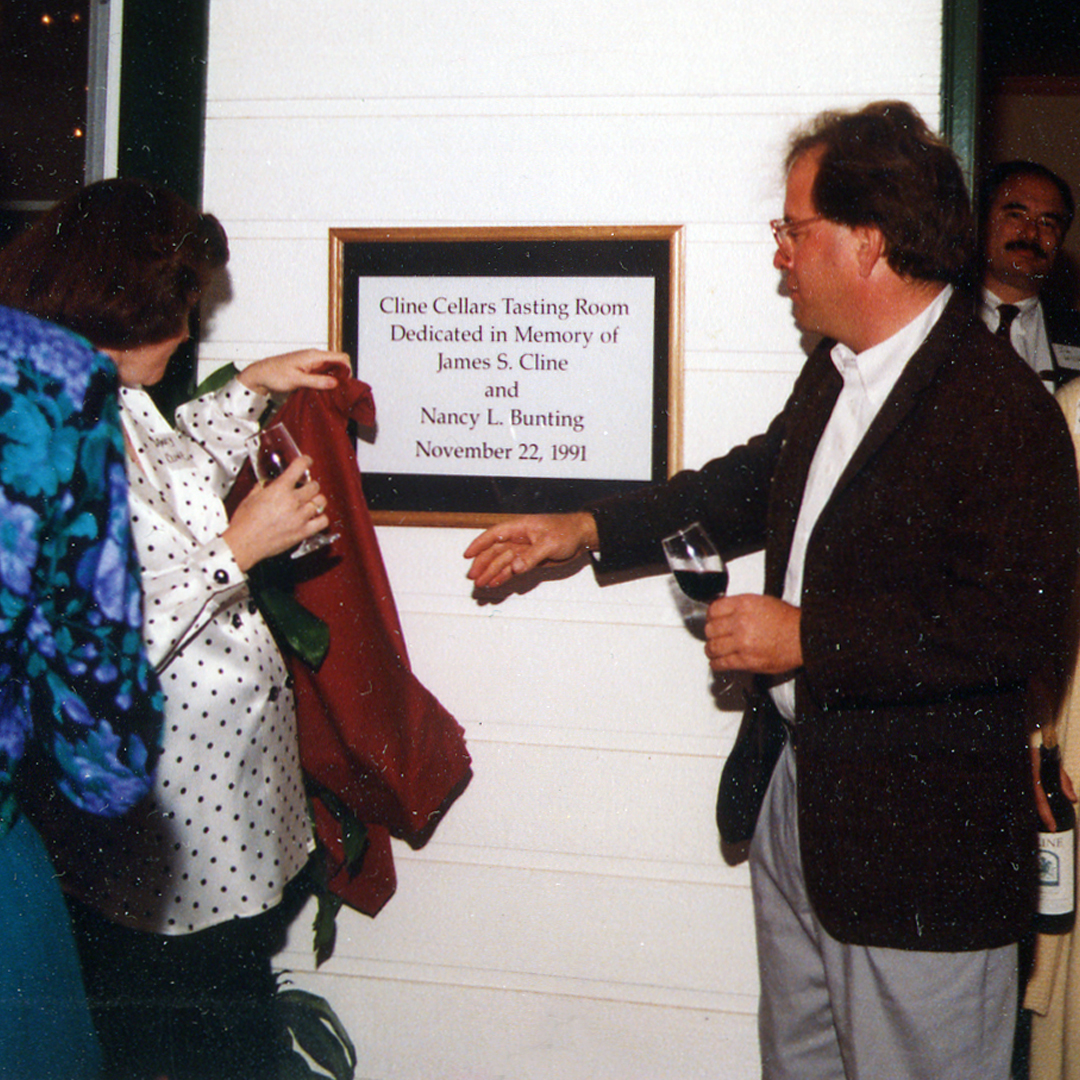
{"x": 572, "y": 917}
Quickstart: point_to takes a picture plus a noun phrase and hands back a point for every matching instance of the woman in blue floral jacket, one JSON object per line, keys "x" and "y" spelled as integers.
{"x": 76, "y": 692}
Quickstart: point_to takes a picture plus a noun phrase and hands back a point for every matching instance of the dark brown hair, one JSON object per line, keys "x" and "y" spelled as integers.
{"x": 882, "y": 166}
{"x": 121, "y": 262}
{"x": 1006, "y": 170}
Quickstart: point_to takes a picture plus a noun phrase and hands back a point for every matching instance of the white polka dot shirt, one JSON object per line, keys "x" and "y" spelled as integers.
{"x": 227, "y": 826}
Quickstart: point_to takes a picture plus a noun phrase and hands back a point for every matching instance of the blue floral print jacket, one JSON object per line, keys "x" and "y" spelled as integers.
{"x": 75, "y": 684}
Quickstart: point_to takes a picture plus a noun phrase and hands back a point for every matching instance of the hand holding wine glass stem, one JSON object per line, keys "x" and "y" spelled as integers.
{"x": 276, "y": 516}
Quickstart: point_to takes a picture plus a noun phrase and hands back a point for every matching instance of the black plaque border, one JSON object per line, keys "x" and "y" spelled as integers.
{"x": 656, "y": 251}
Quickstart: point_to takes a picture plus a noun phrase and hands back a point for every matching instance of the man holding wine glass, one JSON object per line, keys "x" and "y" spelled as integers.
{"x": 916, "y": 581}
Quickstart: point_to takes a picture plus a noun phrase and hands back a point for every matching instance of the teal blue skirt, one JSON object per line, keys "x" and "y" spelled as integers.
{"x": 45, "y": 1027}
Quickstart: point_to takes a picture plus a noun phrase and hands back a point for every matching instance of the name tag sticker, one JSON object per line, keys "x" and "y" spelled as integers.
{"x": 1068, "y": 356}
{"x": 171, "y": 450}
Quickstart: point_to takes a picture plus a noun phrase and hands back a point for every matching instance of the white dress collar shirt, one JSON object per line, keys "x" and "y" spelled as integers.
{"x": 869, "y": 378}
{"x": 1027, "y": 334}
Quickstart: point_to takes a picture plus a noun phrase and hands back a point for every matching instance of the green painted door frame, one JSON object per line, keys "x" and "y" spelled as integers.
{"x": 960, "y": 61}
{"x": 163, "y": 93}
{"x": 162, "y": 122}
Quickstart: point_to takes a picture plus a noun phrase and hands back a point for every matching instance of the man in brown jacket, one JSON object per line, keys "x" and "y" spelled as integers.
{"x": 918, "y": 507}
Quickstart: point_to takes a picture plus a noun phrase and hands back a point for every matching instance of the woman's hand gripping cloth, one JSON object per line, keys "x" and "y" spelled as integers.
{"x": 370, "y": 733}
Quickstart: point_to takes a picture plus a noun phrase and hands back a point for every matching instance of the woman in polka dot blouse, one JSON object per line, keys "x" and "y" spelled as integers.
{"x": 179, "y": 906}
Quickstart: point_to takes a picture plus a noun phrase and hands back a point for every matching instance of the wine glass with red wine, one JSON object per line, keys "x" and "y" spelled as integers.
{"x": 699, "y": 570}
{"x": 272, "y": 451}
{"x": 698, "y": 567}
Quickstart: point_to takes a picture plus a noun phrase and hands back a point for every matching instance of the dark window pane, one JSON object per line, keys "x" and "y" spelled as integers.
{"x": 43, "y": 72}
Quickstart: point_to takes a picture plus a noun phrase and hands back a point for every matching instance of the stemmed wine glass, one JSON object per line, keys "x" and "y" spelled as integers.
{"x": 272, "y": 451}
{"x": 699, "y": 571}
{"x": 698, "y": 567}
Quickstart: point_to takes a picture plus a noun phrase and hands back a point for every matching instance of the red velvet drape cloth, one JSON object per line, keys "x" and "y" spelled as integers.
{"x": 370, "y": 733}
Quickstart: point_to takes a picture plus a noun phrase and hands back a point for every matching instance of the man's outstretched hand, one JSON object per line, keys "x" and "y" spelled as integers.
{"x": 521, "y": 544}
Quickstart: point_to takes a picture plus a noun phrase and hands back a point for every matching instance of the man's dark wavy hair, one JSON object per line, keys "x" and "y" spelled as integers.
{"x": 883, "y": 166}
{"x": 121, "y": 262}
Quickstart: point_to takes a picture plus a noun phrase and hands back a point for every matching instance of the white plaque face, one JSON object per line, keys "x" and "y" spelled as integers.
{"x": 514, "y": 370}
{"x": 509, "y": 376}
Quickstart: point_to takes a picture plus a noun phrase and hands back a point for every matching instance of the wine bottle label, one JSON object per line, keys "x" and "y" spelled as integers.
{"x": 1057, "y": 880}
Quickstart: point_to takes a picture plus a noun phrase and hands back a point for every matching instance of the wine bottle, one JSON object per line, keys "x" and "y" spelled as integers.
{"x": 1057, "y": 850}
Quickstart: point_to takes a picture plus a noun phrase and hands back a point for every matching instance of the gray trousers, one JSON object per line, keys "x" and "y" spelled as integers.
{"x": 831, "y": 1011}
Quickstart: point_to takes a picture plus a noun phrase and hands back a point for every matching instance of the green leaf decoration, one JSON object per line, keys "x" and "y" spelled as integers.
{"x": 353, "y": 831}
{"x": 318, "y": 1032}
{"x": 354, "y": 843}
{"x": 216, "y": 380}
{"x": 325, "y": 926}
{"x": 354, "y": 840}
{"x": 294, "y": 1066}
{"x": 292, "y": 624}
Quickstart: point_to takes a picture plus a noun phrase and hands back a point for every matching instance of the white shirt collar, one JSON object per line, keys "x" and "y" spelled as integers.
{"x": 1028, "y": 332}
{"x": 991, "y": 302}
{"x": 879, "y": 367}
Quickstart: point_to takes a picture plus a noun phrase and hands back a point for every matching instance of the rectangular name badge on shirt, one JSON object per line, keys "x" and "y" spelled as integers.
{"x": 1068, "y": 356}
